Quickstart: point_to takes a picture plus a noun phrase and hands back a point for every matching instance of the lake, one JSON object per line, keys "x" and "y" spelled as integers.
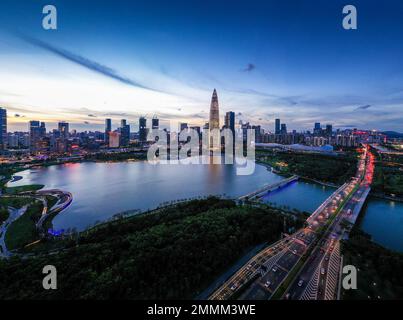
{"x": 101, "y": 190}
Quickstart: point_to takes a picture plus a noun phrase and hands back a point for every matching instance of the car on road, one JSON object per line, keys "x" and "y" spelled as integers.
{"x": 267, "y": 284}
{"x": 322, "y": 271}
{"x": 274, "y": 269}
{"x": 300, "y": 283}
{"x": 294, "y": 251}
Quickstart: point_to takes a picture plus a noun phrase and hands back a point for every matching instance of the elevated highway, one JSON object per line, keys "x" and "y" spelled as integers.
{"x": 306, "y": 265}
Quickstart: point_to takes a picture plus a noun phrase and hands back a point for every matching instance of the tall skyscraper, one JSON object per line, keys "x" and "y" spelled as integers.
{"x": 3, "y": 128}
{"x": 124, "y": 133}
{"x": 277, "y": 126}
{"x": 329, "y": 130}
{"x": 64, "y": 130}
{"x": 37, "y": 131}
{"x": 108, "y": 129}
{"x": 230, "y": 120}
{"x": 142, "y": 129}
{"x": 214, "y": 112}
{"x": 155, "y": 123}
{"x": 230, "y": 124}
{"x": 283, "y": 129}
{"x": 317, "y": 128}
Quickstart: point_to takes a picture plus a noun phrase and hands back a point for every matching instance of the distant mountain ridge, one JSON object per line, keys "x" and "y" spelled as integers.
{"x": 393, "y": 134}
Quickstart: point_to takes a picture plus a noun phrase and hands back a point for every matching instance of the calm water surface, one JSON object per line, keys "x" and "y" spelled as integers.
{"x": 101, "y": 190}
{"x": 383, "y": 220}
{"x": 301, "y": 195}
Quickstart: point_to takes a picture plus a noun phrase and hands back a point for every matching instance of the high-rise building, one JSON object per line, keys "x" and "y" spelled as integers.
{"x": 3, "y": 128}
{"x": 277, "y": 126}
{"x": 37, "y": 131}
{"x": 230, "y": 124}
{"x": 155, "y": 123}
{"x": 329, "y": 130}
{"x": 13, "y": 141}
{"x": 197, "y": 129}
{"x": 283, "y": 129}
{"x": 214, "y": 122}
{"x": 108, "y": 128}
{"x": 114, "y": 139}
{"x": 258, "y": 133}
{"x": 24, "y": 140}
{"x": 183, "y": 126}
{"x": 230, "y": 120}
{"x": 317, "y": 129}
{"x": 142, "y": 129}
{"x": 124, "y": 133}
{"x": 64, "y": 130}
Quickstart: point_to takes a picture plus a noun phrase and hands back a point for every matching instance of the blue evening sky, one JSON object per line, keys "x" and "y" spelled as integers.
{"x": 267, "y": 59}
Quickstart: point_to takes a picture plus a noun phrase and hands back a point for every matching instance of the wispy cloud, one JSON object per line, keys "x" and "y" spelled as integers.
{"x": 367, "y": 106}
{"x": 85, "y": 62}
{"x": 116, "y": 114}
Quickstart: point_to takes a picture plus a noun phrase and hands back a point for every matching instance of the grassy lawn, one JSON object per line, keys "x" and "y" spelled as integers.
{"x": 30, "y": 187}
{"x": 23, "y": 231}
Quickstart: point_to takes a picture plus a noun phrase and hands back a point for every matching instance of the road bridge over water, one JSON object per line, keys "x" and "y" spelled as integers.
{"x": 268, "y": 188}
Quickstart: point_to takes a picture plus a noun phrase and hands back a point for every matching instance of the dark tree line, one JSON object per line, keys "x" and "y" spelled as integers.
{"x": 172, "y": 254}
{"x": 380, "y": 271}
{"x": 326, "y": 168}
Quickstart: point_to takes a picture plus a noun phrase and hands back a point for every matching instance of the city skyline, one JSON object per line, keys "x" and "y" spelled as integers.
{"x": 286, "y": 62}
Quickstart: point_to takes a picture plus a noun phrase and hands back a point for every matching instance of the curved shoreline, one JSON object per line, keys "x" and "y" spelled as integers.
{"x": 118, "y": 212}
{"x": 64, "y": 199}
